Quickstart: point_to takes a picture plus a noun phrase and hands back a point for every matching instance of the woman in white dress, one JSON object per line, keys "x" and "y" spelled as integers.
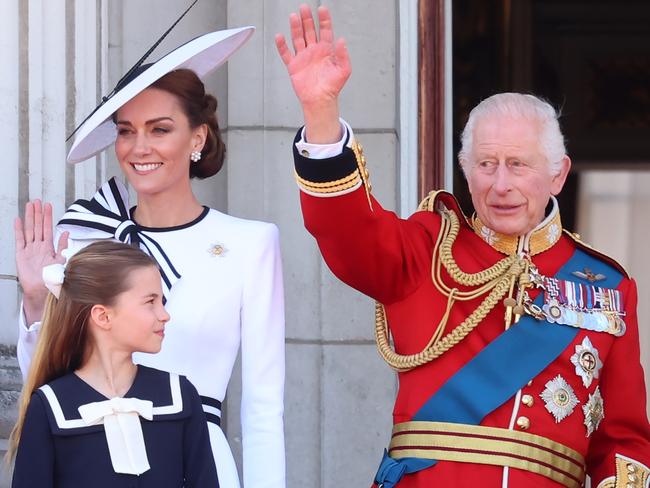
{"x": 221, "y": 275}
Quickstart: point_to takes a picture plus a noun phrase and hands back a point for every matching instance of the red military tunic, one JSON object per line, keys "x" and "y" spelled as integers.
{"x": 390, "y": 260}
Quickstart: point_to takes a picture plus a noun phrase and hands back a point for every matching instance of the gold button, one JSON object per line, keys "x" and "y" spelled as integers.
{"x": 631, "y": 468}
{"x": 631, "y": 477}
{"x": 523, "y": 423}
{"x": 305, "y": 153}
{"x": 528, "y": 400}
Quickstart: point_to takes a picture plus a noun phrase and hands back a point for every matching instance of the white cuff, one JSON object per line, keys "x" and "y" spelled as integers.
{"x": 27, "y": 339}
{"x": 324, "y": 151}
{"x": 22, "y": 322}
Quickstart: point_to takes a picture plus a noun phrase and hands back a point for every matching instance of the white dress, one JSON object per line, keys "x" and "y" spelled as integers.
{"x": 230, "y": 294}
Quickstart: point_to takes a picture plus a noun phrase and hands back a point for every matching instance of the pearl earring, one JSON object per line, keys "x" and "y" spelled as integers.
{"x": 195, "y": 156}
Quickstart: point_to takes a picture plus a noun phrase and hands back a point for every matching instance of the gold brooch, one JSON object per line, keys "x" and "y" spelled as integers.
{"x": 217, "y": 250}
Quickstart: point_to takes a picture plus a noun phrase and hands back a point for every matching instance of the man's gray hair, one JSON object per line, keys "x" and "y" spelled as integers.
{"x": 518, "y": 105}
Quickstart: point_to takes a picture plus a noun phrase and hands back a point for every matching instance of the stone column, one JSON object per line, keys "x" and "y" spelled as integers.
{"x": 44, "y": 45}
{"x": 338, "y": 391}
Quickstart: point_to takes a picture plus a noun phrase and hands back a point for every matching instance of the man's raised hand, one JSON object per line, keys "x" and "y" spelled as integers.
{"x": 318, "y": 67}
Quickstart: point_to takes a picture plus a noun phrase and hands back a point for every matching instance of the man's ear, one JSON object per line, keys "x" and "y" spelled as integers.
{"x": 560, "y": 178}
{"x": 102, "y": 315}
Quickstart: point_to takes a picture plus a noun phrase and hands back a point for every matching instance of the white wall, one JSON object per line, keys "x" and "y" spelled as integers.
{"x": 338, "y": 393}
{"x": 9, "y": 141}
{"x": 613, "y": 218}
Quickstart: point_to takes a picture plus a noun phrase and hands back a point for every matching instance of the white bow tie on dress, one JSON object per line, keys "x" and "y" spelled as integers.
{"x": 120, "y": 417}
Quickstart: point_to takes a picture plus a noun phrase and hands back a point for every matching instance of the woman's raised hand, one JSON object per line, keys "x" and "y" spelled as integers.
{"x": 319, "y": 68}
{"x": 34, "y": 250}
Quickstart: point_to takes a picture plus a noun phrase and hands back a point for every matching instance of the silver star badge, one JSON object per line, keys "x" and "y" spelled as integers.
{"x": 587, "y": 362}
{"x": 552, "y": 311}
{"x": 559, "y": 398}
{"x": 594, "y": 411}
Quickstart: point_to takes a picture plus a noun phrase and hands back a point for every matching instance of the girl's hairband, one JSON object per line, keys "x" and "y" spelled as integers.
{"x": 54, "y": 274}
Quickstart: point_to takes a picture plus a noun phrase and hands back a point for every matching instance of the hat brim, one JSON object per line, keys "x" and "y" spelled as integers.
{"x": 201, "y": 55}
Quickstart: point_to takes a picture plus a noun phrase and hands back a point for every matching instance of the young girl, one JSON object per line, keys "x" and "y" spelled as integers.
{"x": 89, "y": 416}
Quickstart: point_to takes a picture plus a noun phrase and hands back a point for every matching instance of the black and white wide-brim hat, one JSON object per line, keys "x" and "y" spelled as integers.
{"x": 201, "y": 55}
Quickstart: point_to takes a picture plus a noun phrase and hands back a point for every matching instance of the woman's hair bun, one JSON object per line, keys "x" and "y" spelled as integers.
{"x": 200, "y": 108}
{"x": 209, "y": 103}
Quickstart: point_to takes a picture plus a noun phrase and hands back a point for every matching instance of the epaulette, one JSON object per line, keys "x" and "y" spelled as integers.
{"x": 575, "y": 237}
{"x": 436, "y": 200}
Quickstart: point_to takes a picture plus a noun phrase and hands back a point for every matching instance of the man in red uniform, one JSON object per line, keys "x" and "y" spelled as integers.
{"x": 516, "y": 345}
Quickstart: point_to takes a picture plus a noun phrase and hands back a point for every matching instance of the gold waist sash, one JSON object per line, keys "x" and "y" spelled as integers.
{"x": 488, "y": 445}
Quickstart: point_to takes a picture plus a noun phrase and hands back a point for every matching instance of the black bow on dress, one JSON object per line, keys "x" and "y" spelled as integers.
{"x": 107, "y": 216}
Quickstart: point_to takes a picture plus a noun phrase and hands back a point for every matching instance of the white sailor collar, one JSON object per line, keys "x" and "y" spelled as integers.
{"x": 65, "y": 395}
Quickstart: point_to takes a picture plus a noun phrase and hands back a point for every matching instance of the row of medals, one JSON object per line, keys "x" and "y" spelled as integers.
{"x": 569, "y": 313}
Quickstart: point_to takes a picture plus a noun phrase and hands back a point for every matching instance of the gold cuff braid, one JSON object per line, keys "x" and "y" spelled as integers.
{"x": 630, "y": 473}
{"x": 363, "y": 170}
{"x": 359, "y": 175}
{"x": 330, "y": 186}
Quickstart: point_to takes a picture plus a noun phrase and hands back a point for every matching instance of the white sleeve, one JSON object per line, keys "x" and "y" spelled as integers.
{"x": 262, "y": 344}
{"x": 324, "y": 151}
{"x": 28, "y": 333}
{"x": 27, "y": 338}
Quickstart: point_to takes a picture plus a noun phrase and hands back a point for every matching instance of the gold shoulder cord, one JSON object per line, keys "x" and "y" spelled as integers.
{"x": 498, "y": 280}
{"x": 363, "y": 170}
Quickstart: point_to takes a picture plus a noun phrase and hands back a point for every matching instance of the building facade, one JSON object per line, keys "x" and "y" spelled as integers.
{"x": 61, "y": 56}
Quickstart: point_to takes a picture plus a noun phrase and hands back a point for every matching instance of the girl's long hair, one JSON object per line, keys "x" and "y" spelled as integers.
{"x": 95, "y": 275}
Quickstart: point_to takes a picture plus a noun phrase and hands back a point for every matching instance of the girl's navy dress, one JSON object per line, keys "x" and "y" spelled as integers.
{"x": 56, "y": 451}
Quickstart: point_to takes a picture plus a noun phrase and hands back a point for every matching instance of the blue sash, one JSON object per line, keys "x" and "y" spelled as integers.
{"x": 495, "y": 374}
